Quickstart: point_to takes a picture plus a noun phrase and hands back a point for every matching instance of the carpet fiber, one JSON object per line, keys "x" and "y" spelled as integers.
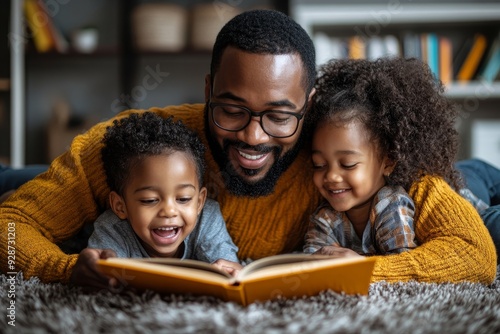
{"x": 389, "y": 308}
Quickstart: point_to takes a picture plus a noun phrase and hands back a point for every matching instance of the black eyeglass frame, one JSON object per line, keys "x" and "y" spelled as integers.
{"x": 260, "y": 114}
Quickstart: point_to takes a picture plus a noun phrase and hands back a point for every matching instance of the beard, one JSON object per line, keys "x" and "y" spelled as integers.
{"x": 234, "y": 182}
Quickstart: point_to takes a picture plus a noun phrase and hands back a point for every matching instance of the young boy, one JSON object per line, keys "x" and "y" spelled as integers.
{"x": 154, "y": 168}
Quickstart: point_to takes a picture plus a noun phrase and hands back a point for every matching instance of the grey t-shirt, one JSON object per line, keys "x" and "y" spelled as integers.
{"x": 208, "y": 242}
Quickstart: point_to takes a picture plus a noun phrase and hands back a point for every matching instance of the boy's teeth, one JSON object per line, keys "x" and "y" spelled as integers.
{"x": 166, "y": 228}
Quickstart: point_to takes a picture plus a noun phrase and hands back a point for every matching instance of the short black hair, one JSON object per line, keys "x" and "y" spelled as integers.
{"x": 402, "y": 105}
{"x": 266, "y": 32}
{"x": 140, "y": 135}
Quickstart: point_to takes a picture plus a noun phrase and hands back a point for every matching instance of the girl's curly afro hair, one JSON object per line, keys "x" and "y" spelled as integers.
{"x": 140, "y": 135}
{"x": 402, "y": 105}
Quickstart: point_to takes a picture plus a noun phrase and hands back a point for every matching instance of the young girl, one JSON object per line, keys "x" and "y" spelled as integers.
{"x": 379, "y": 127}
{"x": 154, "y": 168}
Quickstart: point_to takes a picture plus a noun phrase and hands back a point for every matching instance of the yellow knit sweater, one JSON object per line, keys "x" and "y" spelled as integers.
{"x": 55, "y": 205}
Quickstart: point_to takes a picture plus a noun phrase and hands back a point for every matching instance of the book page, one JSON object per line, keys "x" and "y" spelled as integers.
{"x": 282, "y": 259}
{"x": 186, "y": 263}
{"x": 291, "y": 263}
{"x": 176, "y": 267}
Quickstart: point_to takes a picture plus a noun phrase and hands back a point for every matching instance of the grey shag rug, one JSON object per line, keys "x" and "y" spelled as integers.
{"x": 389, "y": 308}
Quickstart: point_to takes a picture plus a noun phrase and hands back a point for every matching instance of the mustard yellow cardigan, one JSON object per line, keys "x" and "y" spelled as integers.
{"x": 54, "y": 206}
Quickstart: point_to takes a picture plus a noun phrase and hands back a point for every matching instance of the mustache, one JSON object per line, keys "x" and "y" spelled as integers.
{"x": 242, "y": 145}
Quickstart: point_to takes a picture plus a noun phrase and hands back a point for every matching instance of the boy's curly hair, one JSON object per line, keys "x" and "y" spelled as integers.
{"x": 402, "y": 105}
{"x": 141, "y": 135}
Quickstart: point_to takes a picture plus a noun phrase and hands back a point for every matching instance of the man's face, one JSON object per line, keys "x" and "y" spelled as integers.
{"x": 253, "y": 159}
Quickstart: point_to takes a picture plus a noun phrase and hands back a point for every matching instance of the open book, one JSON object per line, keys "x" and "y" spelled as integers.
{"x": 286, "y": 275}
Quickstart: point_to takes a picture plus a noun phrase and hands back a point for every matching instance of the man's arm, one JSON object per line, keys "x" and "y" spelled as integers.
{"x": 455, "y": 245}
{"x": 53, "y": 207}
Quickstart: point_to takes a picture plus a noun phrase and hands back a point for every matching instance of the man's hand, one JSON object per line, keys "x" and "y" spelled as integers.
{"x": 85, "y": 272}
{"x": 338, "y": 252}
{"x": 232, "y": 268}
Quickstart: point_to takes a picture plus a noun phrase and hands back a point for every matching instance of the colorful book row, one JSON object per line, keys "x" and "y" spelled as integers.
{"x": 476, "y": 58}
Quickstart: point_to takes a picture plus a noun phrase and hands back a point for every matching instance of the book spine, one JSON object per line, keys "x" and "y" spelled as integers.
{"x": 432, "y": 53}
{"x": 357, "y": 48}
{"x": 59, "y": 41}
{"x": 445, "y": 60}
{"x": 37, "y": 22}
{"x": 235, "y": 293}
{"x": 411, "y": 46}
{"x": 424, "y": 55}
{"x": 492, "y": 68}
{"x": 471, "y": 63}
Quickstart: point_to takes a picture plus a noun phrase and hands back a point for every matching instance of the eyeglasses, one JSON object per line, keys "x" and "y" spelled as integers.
{"x": 276, "y": 123}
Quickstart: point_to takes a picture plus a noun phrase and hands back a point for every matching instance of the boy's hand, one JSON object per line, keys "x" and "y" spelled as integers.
{"x": 232, "y": 268}
{"x": 338, "y": 252}
{"x": 85, "y": 272}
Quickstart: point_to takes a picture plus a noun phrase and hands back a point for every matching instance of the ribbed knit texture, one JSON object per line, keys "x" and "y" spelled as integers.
{"x": 56, "y": 204}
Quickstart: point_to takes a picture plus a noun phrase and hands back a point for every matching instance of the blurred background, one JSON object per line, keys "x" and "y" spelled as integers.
{"x": 84, "y": 61}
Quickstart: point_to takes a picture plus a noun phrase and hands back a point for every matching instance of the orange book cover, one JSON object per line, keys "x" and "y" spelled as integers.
{"x": 445, "y": 60}
{"x": 38, "y": 22}
{"x": 357, "y": 48}
{"x": 286, "y": 275}
{"x": 471, "y": 62}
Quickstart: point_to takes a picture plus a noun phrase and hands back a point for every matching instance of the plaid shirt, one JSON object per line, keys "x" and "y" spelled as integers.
{"x": 389, "y": 228}
{"x": 478, "y": 204}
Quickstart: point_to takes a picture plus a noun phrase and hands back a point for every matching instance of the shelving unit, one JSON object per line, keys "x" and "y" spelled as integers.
{"x": 372, "y": 19}
{"x": 476, "y": 100}
{"x": 92, "y": 83}
{"x": 99, "y": 85}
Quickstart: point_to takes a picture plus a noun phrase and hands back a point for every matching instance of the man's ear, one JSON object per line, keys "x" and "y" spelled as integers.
{"x": 118, "y": 205}
{"x": 311, "y": 94}
{"x": 207, "y": 87}
{"x": 310, "y": 100}
{"x": 201, "y": 199}
{"x": 389, "y": 166}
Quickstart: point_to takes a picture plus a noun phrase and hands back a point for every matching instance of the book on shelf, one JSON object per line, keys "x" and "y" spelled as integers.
{"x": 46, "y": 35}
{"x": 285, "y": 275}
{"x": 433, "y": 53}
{"x": 375, "y": 48}
{"x": 468, "y": 68}
{"x": 412, "y": 45}
{"x": 37, "y": 21}
{"x": 391, "y": 46}
{"x": 356, "y": 47}
{"x": 491, "y": 66}
{"x": 60, "y": 42}
{"x": 424, "y": 55}
{"x": 322, "y": 45}
{"x": 445, "y": 60}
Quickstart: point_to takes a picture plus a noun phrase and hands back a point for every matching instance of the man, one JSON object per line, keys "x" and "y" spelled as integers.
{"x": 255, "y": 122}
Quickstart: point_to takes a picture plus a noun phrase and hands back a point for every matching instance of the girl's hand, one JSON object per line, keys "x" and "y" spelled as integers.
{"x": 338, "y": 252}
{"x": 232, "y": 268}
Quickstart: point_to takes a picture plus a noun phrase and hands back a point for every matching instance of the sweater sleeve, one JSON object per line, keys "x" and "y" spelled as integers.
{"x": 455, "y": 245}
{"x": 56, "y": 204}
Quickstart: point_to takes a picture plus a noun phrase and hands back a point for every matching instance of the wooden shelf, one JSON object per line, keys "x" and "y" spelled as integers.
{"x": 4, "y": 84}
{"x": 473, "y": 89}
{"x": 309, "y": 15}
{"x": 101, "y": 52}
